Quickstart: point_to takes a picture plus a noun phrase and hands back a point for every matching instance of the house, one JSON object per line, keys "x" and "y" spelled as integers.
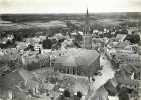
{"x": 121, "y": 37}
{"x": 119, "y": 44}
{"x": 81, "y": 62}
{"x": 45, "y": 51}
{"x": 37, "y": 47}
{"x": 21, "y": 45}
{"x": 36, "y": 61}
{"x": 121, "y": 78}
{"x": 99, "y": 42}
{"x": 9, "y": 82}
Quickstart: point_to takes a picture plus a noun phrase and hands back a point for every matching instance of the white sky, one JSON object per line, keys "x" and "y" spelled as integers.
{"x": 69, "y": 6}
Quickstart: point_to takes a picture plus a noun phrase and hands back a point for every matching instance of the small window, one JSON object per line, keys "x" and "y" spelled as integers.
{"x": 67, "y": 70}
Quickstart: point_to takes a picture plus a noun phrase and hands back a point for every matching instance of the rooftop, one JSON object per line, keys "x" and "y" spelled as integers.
{"x": 77, "y": 57}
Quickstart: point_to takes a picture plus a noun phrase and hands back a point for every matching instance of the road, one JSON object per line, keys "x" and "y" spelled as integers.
{"x": 107, "y": 73}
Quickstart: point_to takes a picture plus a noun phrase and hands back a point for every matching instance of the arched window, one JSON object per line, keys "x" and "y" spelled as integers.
{"x": 68, "y": 70}
{"x": 74, "y": 70}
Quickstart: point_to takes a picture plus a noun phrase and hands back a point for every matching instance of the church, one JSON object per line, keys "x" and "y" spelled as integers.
{"x": 87, "y": 37}
{"x": 79, "y": 61}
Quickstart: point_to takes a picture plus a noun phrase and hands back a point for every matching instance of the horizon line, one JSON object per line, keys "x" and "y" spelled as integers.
{"x": 70, "y": 13}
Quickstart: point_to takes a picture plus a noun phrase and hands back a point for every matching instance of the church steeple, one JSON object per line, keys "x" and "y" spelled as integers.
{"x": 87, "y": 37}
{"x": 87, "y": 22}
{"x": 87, "y": 13}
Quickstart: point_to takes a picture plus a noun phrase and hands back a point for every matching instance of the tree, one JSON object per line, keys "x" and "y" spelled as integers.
{"x": 18, "y": 36}
{"x": 79, "y": 94}
{"x": 79, "y": 37}
{"x": 123, "y": 93}
{"x": 66, "y": 93}
{"x": 47, "y": 44}
{"x": 134, "y": 38}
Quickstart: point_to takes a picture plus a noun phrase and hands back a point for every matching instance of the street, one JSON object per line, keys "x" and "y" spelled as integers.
{"x": 107, "y": 73}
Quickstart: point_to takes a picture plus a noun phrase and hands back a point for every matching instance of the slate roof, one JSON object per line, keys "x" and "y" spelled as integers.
{"x": 78, "y": 57}
{"x": 12, "y": 79}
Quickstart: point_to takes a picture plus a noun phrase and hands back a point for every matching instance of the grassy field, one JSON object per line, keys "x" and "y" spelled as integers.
{"x": 12, "y": 22}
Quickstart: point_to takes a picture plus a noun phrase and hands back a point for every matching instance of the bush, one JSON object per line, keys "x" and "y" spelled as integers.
{"x": 79, "y": 94}
{"x": 47, "y": 44}
{"x": 134, "y": 38}
{"x": 66, "y": 93}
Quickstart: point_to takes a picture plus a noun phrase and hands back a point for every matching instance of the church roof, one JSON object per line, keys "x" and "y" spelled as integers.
{"x": 78, "y": 57}
{"x": 66, "y": 60}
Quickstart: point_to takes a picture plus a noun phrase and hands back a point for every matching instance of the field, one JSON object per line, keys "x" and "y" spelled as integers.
{"x": 15, "y": 22}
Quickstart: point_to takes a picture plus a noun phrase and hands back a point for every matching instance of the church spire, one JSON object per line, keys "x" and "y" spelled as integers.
{"x": 87, "y": 22}
{"x": 87, "y": 37}
{"x": 87, "y": 12}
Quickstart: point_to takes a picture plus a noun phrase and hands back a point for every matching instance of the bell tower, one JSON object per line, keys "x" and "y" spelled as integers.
{"x": 87, "y": 37}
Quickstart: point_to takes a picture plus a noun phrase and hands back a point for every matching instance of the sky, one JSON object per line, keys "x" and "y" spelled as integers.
{"x": 69, "y": 6}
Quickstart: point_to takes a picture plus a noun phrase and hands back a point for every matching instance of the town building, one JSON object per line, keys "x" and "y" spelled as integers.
{"x": 78, "y": 62}
{"x": 118, "y": 45}
{"x": 37, "y": 47}
{"x": 126, "y": 58}
{"x": 11, "y": 87}
{"x": 36, "y": 61}
{"x": 99, "y": 42}
{"x": 121, "y": 37}
{"x": 87, "y": 37}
